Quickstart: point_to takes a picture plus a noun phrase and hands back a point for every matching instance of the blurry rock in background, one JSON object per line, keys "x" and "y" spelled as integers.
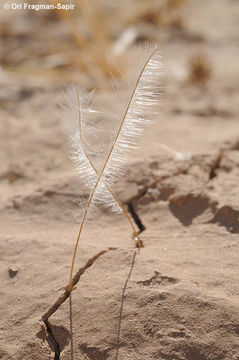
{"x": 200, "y": 69}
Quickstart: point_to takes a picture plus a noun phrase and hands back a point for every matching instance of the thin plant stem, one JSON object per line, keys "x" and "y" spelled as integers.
{"x": 122, "y": 305}
{"x": 135, "y": 232}
{"x": 104, "y": 166}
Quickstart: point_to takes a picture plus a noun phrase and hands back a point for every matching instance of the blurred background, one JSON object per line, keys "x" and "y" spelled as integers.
{"x": 42, "y": 51}
{"x": 88, "y": 43}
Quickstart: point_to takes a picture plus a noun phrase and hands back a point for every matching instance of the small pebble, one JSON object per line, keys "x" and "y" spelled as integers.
{"x": 182, "y": 156}
{"x": 12, "y": 271}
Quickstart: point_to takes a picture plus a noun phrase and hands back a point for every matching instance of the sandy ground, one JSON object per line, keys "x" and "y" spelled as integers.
{"x": 181, "y": 301}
